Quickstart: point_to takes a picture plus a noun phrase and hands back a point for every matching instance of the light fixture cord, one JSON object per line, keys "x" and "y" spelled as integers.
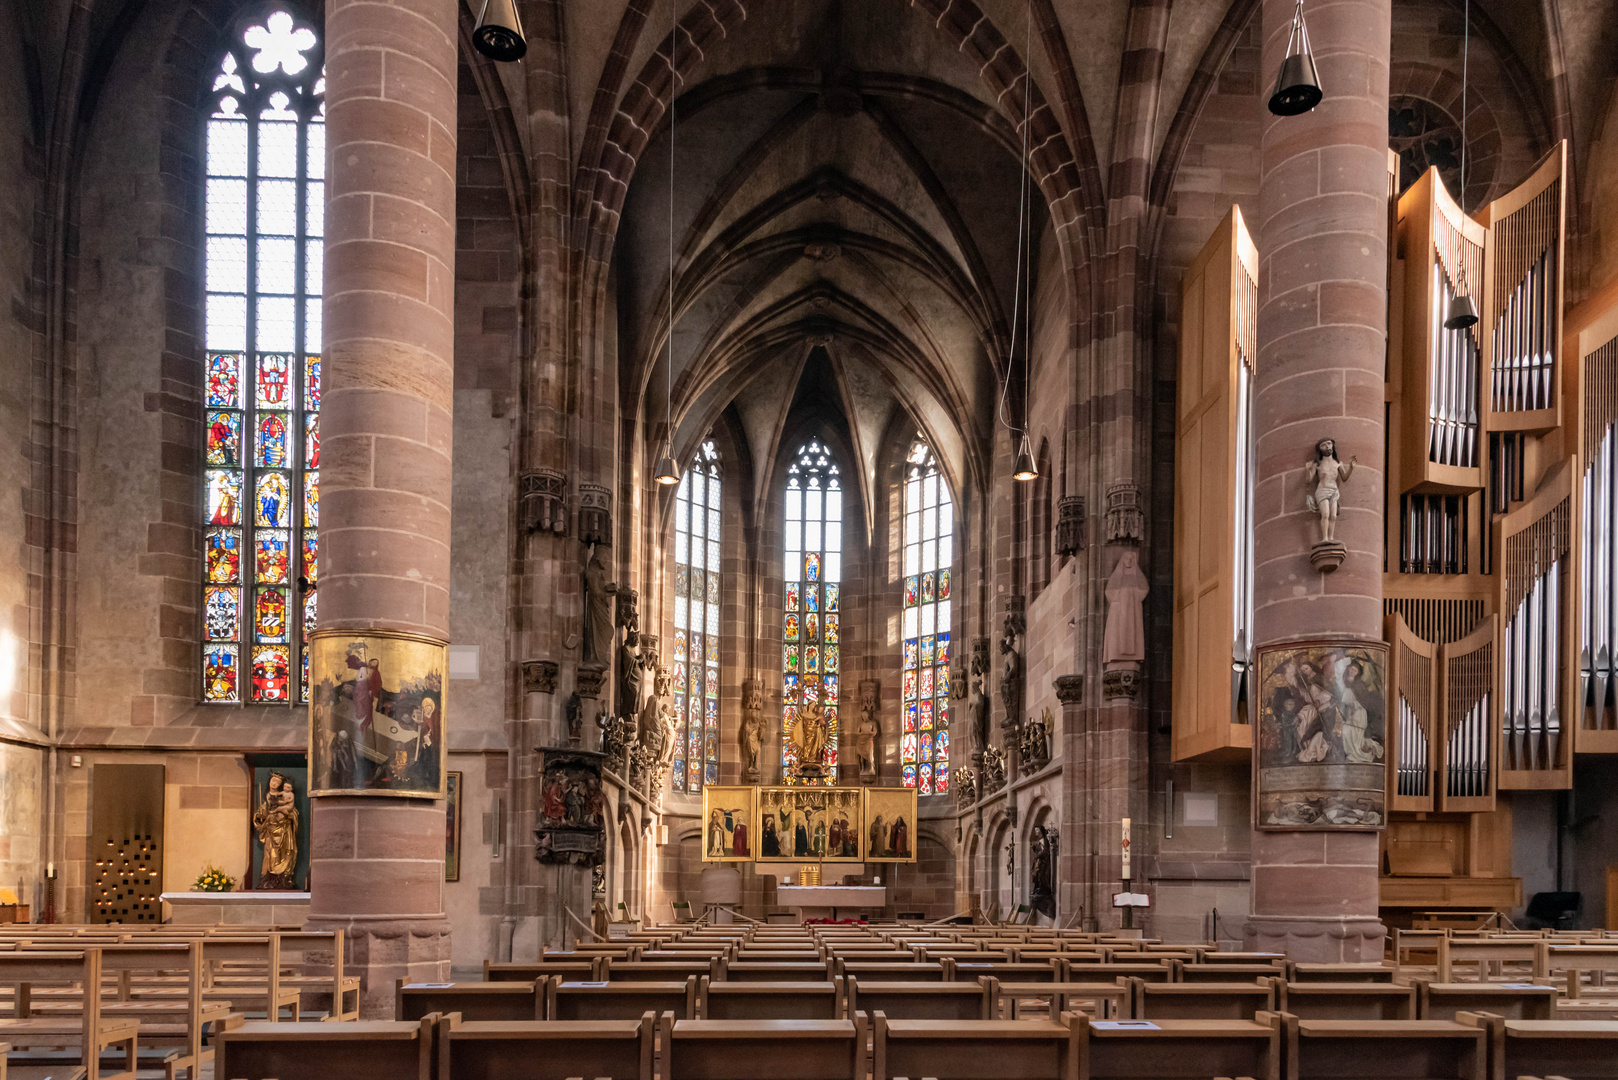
{"x": 1022, "y": 207}
{"x": 668, "y": 373}
{"x": 1466, "y": 49}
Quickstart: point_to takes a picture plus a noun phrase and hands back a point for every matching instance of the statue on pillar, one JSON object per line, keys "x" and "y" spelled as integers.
{"x": 631, "y": 675}
{"x": 810, "y": 734}
{"x": 1011, "y": 669}
{"x": 598, "y": 594}
{"x": 1327, "y": 475}
{"x": 752, "y": 733}
{"x": 977, "y": 708}
{"x": 1123, "y": 644}
{"x": 1041, "y": 877}
{"x": 869, "y": 732}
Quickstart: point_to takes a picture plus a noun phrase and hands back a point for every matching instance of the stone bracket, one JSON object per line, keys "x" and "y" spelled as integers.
{"x": 542, "y": 501}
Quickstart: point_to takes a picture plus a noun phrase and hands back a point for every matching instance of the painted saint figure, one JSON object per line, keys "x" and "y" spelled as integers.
{"x": 1326, "y": 473}
{"x": 276, "y": 823}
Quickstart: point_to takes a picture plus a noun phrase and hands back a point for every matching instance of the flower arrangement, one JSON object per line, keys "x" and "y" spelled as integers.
{"x": 213, "y": 879}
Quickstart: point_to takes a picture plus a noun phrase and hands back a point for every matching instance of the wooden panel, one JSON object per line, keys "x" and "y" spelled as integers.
{"x": 1212, "y": 534}
{"x": 1413, "y": 679}
{"x": 1494, "y": 894}
{"x": 1594, "y": 374}
{"x": 1468, "y": 754}
{"x": 1522, "y": 301}
{"x": 126, "y": 844}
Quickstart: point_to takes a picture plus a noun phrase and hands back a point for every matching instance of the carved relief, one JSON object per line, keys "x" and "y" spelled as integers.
{"x": 595, "y": 514}
{"x": 1125, "y": 519}
{"x": 539, "y": 676}
{"x": 542, "y": 501}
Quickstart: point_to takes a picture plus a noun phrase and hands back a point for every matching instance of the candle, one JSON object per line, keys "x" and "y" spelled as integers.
{"x": 50, "y": 869}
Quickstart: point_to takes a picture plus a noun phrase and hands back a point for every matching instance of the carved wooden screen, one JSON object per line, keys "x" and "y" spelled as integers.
{"x": 1596, "y": 599}
{"x": 1213, "y": 495}
{"x": 1468, "y": 753}
{"x": 1537, "y": 677}
{"x": 1522, "y": 311}
{"x": 1412, "y": 709}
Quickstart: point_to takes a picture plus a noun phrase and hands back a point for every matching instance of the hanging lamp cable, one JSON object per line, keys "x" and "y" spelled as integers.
{"x": 1022, "y": 230}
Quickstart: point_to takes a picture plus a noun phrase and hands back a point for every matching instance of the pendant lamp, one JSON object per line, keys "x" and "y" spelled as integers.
{"x": 1463, "y": 313}
{"x": 668, "y": 473}
{"x": 1297, "y": 85}
{"x": 499, "y": 33}
{"x": 1025, "y": 468}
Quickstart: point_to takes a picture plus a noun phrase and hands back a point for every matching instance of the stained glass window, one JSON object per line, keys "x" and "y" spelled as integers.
{"x": 696, "y": 623}
{"x": 266, "y": 166}
{"x": 813, "y": 569}
{"x": 929, "y": 537}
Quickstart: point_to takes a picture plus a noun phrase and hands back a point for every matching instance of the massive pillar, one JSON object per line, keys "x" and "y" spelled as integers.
{"x": 377, "y": 860}
{"x": 1322, "y": 321}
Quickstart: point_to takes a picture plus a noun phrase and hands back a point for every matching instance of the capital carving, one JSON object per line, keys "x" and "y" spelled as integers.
{"x": 1070, "y": 525}
{"x": 1123, "y": 683}
{"x": 589, "y": 680}
{"x": 1125, "y": 519}
{"x": 539, "y": 676}
{"x": 1070, "y": 689}
{"x": 542, "y": 501}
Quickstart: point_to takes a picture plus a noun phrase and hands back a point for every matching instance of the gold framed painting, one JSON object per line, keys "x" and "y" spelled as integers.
{"x": 729, "y": 829}
{"x": 1322, "y": 736}
{"x": 376, "y": 714}
{"x": 890, "y": 824}
{"x": 792, "y": 823}
{"x": 845, "y": 838}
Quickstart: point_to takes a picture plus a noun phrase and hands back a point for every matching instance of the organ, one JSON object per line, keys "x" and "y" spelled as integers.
{"x": 1501, "y": 544}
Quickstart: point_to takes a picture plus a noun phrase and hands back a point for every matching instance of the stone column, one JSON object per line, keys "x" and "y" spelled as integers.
{"x": 1322, "y": 322}
{"x": 377, "y": 863}
{"x": 1075, "y": 869}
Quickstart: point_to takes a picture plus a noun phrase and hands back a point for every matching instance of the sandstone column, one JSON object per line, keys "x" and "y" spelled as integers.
{"x": 1322, "y": 320}
{"x": 377, "y": 862}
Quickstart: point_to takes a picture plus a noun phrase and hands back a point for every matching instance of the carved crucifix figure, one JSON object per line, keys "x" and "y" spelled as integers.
{"x": 1326, "y": 473}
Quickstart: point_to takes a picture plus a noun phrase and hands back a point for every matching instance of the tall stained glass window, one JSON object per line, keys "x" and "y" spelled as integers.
{"x": 929, "y": 537}
{"x": 696, "y": 623}
{"x": 265, "y": 208}
{"x": 813, "y": 573}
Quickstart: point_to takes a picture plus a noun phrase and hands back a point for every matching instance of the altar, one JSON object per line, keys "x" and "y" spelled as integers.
{"x": 822, "y": 901}
{"x": 247, "y": 908}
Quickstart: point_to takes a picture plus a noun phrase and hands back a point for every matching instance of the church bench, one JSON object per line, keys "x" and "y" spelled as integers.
{"x": 738, "y": 971}
{"x": 88, "y": 1032}
{"x": 1213, "y": 956}
{"x": 577, "y": 969}
{"x": 1023, "y": 954}
{"x": 1206, "y": 973}
{"x": 768, "y": 1000}
{"x": 625, "y": 951}
{"x": 1574, "y": 960}
{"x": 548, "y": 1050}
{"x": 1372, "y": 973}
{"x": 749, "y": 1049}
{"x": 964, "y": 970}
{"x": 580, "y": 1001}
{"x": 929, "y": 955}
{"x": 888, "y": 972}
{"x": 1574, "y": 1049}
{"x": 473, "y": 1000}
{"x": 1177, "y": 1050}
{"x": 317, "y": 1050}
{"x": 780, "y": 956}
{"x": 1087, "y": 972}
{"x": 1103, "y": 1001}
{"x": 1381, "y": 1049}
{"x": 1489, "y": 954}
{"x": 1201, "y": 1001}
{"x": 1346, "y": 1000}
{"x": 974, "y": 1050}
{"x": 921, "y": 1001}
{"x": 1416, "y": 946}
{"x": 1514, "y": 1001}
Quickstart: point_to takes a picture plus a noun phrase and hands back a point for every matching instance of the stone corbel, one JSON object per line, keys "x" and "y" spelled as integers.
{"x": 1121, "y": 684}
{"x": 539, "y": 676}
{"x": 1125, "y": 519}
{"x": 589, "y": 680}
{"x": 1070, "y": 526}
{"x": 542, "y": 499}
{"x": 595, "y": 514}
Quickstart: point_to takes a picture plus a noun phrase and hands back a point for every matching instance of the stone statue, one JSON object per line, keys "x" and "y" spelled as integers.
{"x": 631, "y": 674}
{"x": 598, "y": 593}
{"x": 649, "y": 723}
{"x": 1011, "y": 668}
{"x": 868, "y": 733}
{"x": 994, "y": 770}
{"x": 966, "y": 786}
{"x": 1041, "y": 881}
{"x": 1326, "y": 473}
{"x": 575, "y": 719}
{"x": 752, "y": 733}
{"x": 1125, "y": 638}
{"x": 1034, "y": 745}
{"x": 810, "y": 733}
{"x": 977, "y": 708}
{"x": 276, "y": 822}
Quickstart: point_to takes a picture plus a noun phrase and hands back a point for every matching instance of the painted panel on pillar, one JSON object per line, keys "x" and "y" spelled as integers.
{"x": 376, "y": 716}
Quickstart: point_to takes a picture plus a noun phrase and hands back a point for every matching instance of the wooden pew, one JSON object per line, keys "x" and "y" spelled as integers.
{"x": 89, "y": 1032}
{"x": 769, "y": 1000}
{"x": 580, "y": 1001}
{"x": 1201, "y": 1001}
{"x": 1574, "y": 1049}
{"x": 750, "y": 1049}
{"x": 1489, "y": 954}
{"x": 1102, "y": 1001}
{"x": 1266, "y": 959}
{"x": 1092, "y": 973}
{"x": 552, "y": 1050}
{"x": 975, "y": 1050}
{"x": 652, "y": 971}
{"x": 1381, "y": 1049}
{"x": 921, "y": 1001}
{"x": 1514, "y": 1001}
{"x": 972, "y": 970}
{"x": 889, "y": 972}
{"x": 1371, "y": 973}
{"x": 1346, "y": 1001}
{"x": 1220, "y": 972}
{"x": 1551, "y": 957}
{"x": 473, "y": 1000}
{"x": 739, "y": 971}
{"x": 312, "y": 1050}
{"x": 578, "y": 969}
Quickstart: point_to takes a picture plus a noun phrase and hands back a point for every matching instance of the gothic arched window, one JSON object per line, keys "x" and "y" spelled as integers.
{"x": 813, "y": 572}
{"x": 265, "y": 209}
{"x": 929, "y": 537}
{"x": 696, "y": 623}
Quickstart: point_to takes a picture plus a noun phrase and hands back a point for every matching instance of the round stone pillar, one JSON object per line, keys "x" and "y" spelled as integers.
{"x": 377, "y": 861}
{"x": 1322, "y": 324}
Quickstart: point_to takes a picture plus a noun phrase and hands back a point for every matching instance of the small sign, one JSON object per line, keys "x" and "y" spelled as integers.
{"x": 1125, "y": 1025}
{"x": 584, "y": 984}
{"x": 1525, "y": 986}
{"x": 428, "y": 986}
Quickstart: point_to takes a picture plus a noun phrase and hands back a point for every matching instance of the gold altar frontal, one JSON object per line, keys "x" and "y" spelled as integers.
{"x": 808, "y": 824}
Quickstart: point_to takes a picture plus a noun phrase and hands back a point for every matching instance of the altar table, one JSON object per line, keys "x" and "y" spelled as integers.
{"x": 822, "y": 901}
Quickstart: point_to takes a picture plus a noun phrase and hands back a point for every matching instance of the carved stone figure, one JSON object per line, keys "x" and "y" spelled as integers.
{"x": 752, "y": 733}
{"x": 276, "y": 822}
{"x": 1125, "y": 638}
{"x": 1011, "y": 667}
{"x": 966, "y": 786}
{"x": 809, "y": 735}
{"x": 1041, "y": 879}
{"x": 977, "y": 709}
{"x": 1326, "y": 473}
{"x": 869, "y": 732}
{"x": 631, "y": 675}
{"x": 994, "y": 770}
{"x": 575, "y": 719}
{"x": 598, "y": 593}
{"x": 1034, "y": 748}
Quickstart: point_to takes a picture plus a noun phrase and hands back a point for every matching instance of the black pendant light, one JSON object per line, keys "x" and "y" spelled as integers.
{"x": 1025, "y": 469}
{"x": 668, "y": 473}
{"x": 499, "y": 33}
{"x": 1297, "y": 86}
{"x": 1463, "y": 313}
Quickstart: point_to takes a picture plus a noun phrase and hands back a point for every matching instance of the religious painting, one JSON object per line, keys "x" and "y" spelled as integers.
{"x": 1322, "y": 736}
{"x": 729, "y": 830}
{"x": 278, "y": 823}
{"x": 376, "y": 714}
{"x": 792, "y": 823}
{"x": 890, "y": 824}
{"x": 845, "y": 839}
{"x": 452, "y": 826}
{"x": 571, "y": 827}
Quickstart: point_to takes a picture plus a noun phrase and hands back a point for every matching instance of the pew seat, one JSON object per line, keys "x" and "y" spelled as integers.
{"x": 313, "y": 1050}
{"x": 769, "y": 1000}
{"x": 975, "y": 1050}
{"x": 1573, "y": 1049}
{"x": 751, "y": 1049}
{"x": 1178, "y": 1050}
{"x": 1514, "y": 1001}
{"x": 544, "y": 1050}
{"x": 1202, "y": 1001}
{"x": 581, "y": 1001}
{"x": 1383, "y": 1050}
{"x": 1346, "y": 1001}
{"x": 473, "y": 1000}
